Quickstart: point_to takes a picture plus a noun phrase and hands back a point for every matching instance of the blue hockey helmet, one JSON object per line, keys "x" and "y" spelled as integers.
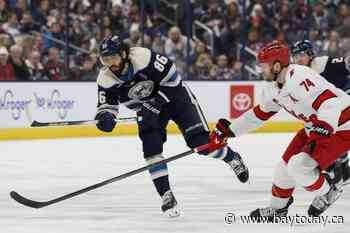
{"x": 303, "y": 46}
{"x": 114, "y": 45}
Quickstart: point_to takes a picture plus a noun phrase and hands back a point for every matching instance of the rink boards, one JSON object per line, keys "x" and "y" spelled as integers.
{"x": 21, "y": 103}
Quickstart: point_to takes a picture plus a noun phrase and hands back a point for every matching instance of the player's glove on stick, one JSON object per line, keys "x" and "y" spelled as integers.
{"x": 106, "y": 121}
{"x": 223, "y": 126}
{"x": 319, "y": 133}
{"x": 216, "y": 141}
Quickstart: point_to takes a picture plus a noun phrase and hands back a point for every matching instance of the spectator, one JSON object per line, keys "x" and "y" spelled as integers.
{"x": 35, "y": 67}
{"x": 332, "y": 46}
{"x": 54, "y": 67}
{"x": 26, "y": 24}
{"x": 106, "y": 22}
{"x": 89, "y": 26}
{"x": 176, "y": 45}
{"x": 98, "y": 12}
{"x": 21, "y": 8}
{"x": 344, "y": 30}
{"x": 5, "y": 40}
{"x": 259, "y": 23}
{"x": 299, "y": 13}
{"x": 203, "y": 67}
{"x": 321, "y": 18}
{"x": 199, "y": 49}
{"x": 158, "y": 44}
{"x": 254, "y": 40}
{"x": 55, "y": 33}
{"x": 237, "y": 71}
{"x": 11, "y": 27}
{"x": 148, "y": 42}
{"x": 4, "y": 12}
{"x": 222, "y": 71}
{"x": 38, "y": 44}
{"x": 214, "y": 17}
{"x": 87, "y": 72}
{"x": 40, "y": 13}
{"x": 76, "y": 34}
{"x": 231, "y": 31}
{"x": 118, "y": 21}
{"x": 134, "y": 36}
{"x": 19, "y": 66}
{"x": 6, "y": 68}
{"x": 343, "y": 12}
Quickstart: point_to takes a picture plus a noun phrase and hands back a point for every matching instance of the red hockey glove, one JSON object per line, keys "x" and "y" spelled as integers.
{"x": 216, "y": 141}
{"x": 223, "y": 126}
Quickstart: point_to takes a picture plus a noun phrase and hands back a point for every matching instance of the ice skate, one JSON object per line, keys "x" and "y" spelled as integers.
{"x": 269, "y": 213}
{"x": 321, "y": 203}
{"x": 239, "y": 168}
{"x": 169, "y": 206}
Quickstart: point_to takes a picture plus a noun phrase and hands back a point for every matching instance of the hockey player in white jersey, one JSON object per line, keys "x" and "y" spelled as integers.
{"x": 335, "y": 70}
{"x": 148, "y": 83}
{"x": 325, "y": 111}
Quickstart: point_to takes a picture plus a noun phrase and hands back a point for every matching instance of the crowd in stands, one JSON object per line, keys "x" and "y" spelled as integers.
{"x": 33, "y": 34}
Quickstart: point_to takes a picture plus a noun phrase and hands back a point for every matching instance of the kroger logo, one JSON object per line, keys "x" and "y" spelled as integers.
{"x": 9, "y": 103}
{"x": 55, "y": 102}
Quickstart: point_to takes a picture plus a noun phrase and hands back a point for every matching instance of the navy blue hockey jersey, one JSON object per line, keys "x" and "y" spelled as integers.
{"x": 336, "y": 70}
{"x": 148, "y": 74}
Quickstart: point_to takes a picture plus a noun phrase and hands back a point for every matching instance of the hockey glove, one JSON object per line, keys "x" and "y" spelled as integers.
{"x": 106, "y": 121}
{"x": 216, "y": 141}
{"x": 223, "y": 126}
{"x": 319, "y": 133}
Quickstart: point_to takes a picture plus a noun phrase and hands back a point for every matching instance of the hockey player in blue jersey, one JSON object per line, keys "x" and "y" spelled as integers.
{"x": 148, "y": 83}
{"x": 335, "y": 70}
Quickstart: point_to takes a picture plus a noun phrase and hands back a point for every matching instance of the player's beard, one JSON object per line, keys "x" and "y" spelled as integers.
{"x": 269, "y": 76}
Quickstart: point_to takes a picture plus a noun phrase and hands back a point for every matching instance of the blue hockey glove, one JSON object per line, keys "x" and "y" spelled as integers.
{"x": 106, "y": 121}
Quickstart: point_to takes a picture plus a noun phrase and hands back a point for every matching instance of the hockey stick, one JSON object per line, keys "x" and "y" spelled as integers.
{"x": 86, "y": 122}
{"x": 37, "y": 204}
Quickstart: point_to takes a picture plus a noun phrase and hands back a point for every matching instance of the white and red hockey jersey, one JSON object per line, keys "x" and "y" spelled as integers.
{"x": 304, "y": 93}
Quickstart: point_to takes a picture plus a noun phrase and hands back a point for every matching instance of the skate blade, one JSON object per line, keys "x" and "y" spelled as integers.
{"x": 172, "y": 213}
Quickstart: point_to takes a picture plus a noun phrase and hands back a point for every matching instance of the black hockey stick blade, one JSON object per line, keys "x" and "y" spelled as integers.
{"x": 84, "y": 122}
{"x": 35, "y": 204}
{"x": 25, "y": 201}
{"x": 61, "y": 123}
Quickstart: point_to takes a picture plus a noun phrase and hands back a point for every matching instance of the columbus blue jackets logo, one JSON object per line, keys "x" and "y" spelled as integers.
{"x": 141, "y": 90}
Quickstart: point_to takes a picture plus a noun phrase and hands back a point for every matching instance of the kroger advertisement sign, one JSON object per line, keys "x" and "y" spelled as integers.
{"x": 21, "y": 103}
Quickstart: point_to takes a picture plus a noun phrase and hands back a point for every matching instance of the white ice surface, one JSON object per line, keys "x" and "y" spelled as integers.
{"x": 206, "y": 189}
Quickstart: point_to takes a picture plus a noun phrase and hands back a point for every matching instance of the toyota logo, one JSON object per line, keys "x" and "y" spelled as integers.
{"x": 241, "y": 101}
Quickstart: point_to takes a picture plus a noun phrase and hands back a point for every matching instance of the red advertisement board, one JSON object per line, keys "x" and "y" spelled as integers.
{"x": 241, "y": 99}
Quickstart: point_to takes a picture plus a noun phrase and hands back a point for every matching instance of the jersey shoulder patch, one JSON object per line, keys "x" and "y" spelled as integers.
{"x": 107, "y": 79}
{"x": 319, "y": 64}
{"x": 139, "y": 58}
